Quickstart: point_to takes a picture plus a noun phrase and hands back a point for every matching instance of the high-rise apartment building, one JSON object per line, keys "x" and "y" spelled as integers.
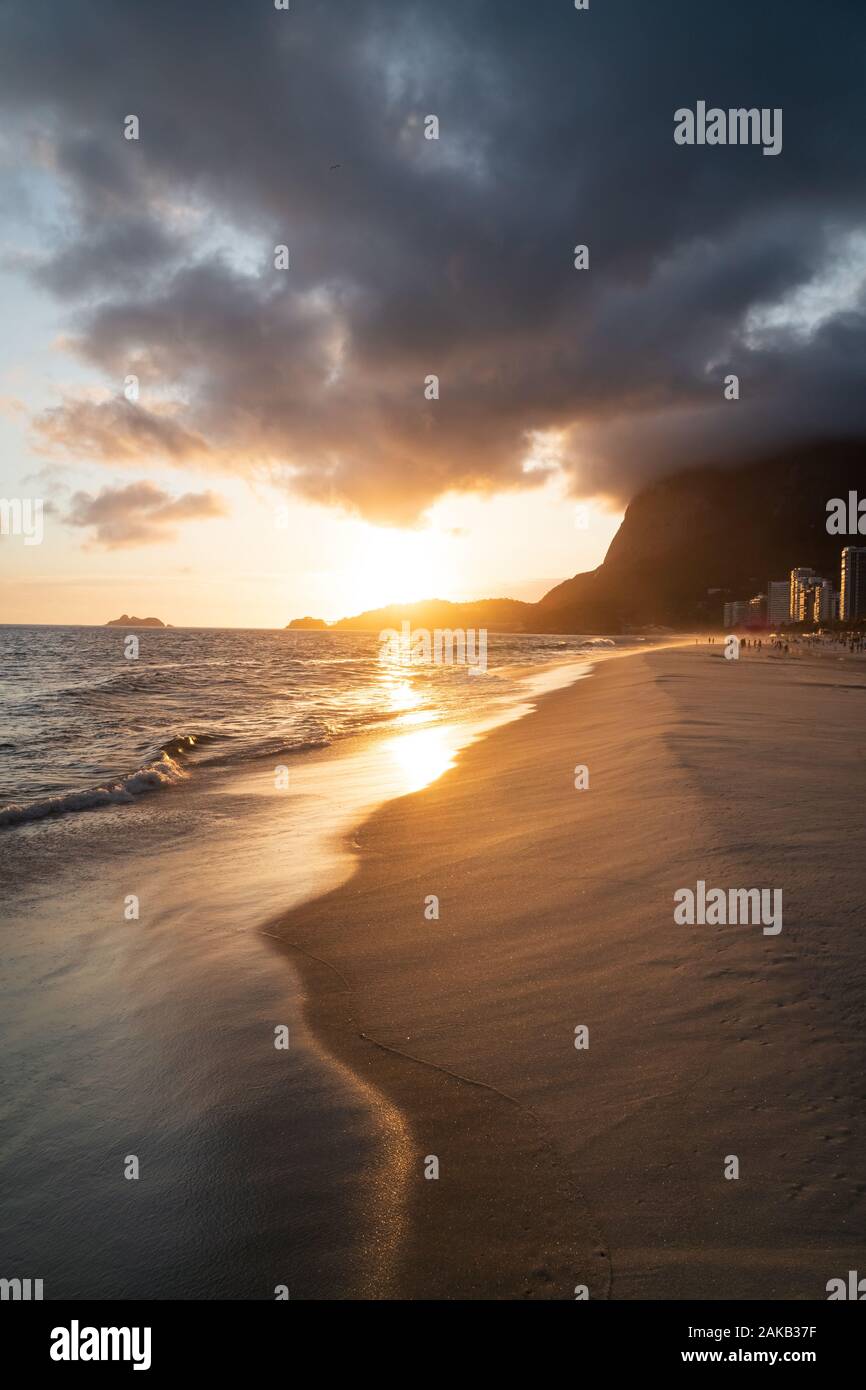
{"x": 735, "y": 614}
{"x": 852, "y": 596}
{"x": 816, "y": 601}
{"x": 778, "y": 602}
{"x": 811, "y": 597}
{"x": 800, "y": 578}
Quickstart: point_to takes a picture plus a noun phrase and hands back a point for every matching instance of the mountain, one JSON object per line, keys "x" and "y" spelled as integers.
{"x": 694, "y": 540}
{"x": 126, "y": 621}
{"x": 686, "y": 545}
{"x": 496, "y": 614}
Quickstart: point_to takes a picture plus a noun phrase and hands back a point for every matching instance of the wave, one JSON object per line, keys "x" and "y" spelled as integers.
{"x": 179, "y": 745}
{"x": 269, "y": 748}
{"x": 163, "y": 771}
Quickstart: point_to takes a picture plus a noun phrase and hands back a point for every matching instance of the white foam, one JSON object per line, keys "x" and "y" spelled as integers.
{"x": 162, "y": 772}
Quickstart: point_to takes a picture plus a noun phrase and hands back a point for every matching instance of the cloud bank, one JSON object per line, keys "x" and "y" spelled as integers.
{"x": 452, "y": 257}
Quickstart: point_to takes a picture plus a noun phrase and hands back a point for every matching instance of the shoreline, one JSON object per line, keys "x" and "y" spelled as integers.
{"x": 312, "y": 1139}
{"x": 465, "y": 1023}
{"x": 329, "y": 1011}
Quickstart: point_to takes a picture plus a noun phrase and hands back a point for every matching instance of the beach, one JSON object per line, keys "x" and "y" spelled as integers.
{"x": 604, "y": 1170}
{"x": 146, "y": 837}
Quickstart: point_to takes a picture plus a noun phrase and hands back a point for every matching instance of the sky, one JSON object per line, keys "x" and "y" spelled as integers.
{"x": 219, "y": 339}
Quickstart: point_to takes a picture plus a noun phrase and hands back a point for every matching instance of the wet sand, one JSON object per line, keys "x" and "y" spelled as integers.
{"x": 605, "y": 1167}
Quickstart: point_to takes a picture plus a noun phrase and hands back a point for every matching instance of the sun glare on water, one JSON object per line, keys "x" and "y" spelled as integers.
{"x": 423, "y": 756}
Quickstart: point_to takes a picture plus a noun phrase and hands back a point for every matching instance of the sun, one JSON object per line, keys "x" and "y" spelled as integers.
{"x": 385, "y": 565}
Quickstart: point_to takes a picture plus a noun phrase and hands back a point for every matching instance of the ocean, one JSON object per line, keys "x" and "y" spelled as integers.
{"x": 155, "y": 815}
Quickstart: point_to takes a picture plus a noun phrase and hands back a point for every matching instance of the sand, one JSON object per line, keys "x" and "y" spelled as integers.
{"x": 605, "y": 1167}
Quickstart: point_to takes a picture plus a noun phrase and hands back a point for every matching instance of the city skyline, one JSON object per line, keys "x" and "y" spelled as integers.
{"x": 806, "y": 596}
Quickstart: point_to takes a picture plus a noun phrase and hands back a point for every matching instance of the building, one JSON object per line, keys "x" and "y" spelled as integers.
{"x": 852, "y": 596}
{"x": 811, "y": 597}
{"x": 800, "y": 578}
{"x": 778, "y": 602}
{"x": 735, "y": 614}
{"x": 816, "y": 601}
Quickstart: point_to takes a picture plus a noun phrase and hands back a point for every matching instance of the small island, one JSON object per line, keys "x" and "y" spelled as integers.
{"x": 126, "y": 621}
{"x": 307, "y": 625}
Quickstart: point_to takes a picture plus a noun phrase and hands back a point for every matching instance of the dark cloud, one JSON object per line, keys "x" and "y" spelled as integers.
{"x": 123, "y": 252}
{"x": 454, "y": 257}
{"x": 138, "y": 514}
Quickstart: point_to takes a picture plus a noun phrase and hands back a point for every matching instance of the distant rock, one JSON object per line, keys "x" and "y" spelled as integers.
{"x": 495, "y": 614}
{"x": 307, "y": 625}
{"x": 127, "y": 621}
